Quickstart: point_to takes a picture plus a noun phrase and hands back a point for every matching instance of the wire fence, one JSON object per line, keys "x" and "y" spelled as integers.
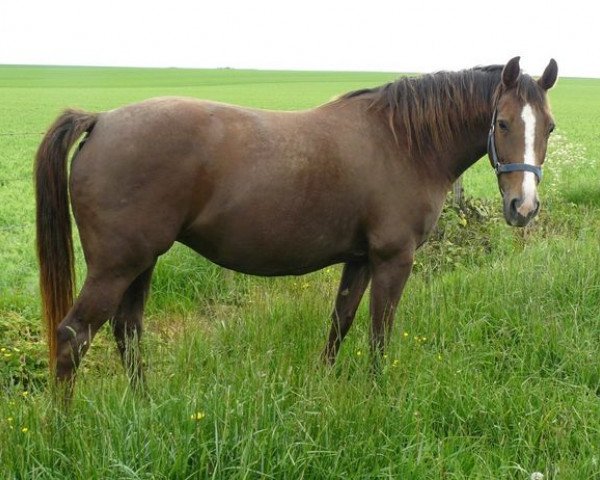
{"x": 19, "y": 134}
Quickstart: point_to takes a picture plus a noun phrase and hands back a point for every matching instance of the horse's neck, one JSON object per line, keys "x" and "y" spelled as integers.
{"x": 447, "y": 163}
{"x": 469, "y": 146}
{"x": 471, "y": 143}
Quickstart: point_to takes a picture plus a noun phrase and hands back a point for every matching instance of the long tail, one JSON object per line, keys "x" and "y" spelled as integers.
{"x": 53, "y": 220}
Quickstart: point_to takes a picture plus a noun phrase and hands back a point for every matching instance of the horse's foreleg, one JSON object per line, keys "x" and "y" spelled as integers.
{"x": 127, "y": 327}
{"x": 389, "y": 277}
{"x": 355, "y": 278}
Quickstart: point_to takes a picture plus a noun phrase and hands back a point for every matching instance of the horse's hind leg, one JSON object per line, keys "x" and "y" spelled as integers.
{"x": 98, "y": 300}
{"x": 355, "y": 278}
{"x": 127, "y": 327}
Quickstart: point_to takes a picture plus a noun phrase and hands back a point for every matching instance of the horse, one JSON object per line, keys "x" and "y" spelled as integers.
{"x": 360, "y": 180}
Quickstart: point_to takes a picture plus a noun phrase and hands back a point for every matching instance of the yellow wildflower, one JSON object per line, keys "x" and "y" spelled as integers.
{"x": 24, "y": 429}
{"x": 198, "y": 416}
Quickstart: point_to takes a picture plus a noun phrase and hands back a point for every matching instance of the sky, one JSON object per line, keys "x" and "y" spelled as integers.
{"x": 375, "y": 35}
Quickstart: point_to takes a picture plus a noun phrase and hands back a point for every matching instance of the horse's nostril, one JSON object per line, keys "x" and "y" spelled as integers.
{"x": 513, "y": 206}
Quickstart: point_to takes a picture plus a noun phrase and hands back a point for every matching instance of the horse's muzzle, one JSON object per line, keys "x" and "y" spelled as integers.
{"x": 517, "y": 216}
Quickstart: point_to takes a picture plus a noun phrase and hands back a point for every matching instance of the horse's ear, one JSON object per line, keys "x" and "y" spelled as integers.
{"x": 511, "y": 72}
{"x": 548, "y": 79}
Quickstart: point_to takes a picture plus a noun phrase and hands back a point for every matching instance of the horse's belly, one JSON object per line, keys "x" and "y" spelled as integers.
{"x": 277, "y": 247}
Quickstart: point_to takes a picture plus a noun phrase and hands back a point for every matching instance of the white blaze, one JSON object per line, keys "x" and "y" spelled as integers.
{"x": 529, "y": 185}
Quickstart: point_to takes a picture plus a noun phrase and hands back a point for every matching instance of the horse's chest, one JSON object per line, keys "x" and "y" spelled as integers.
{"x": 430, "y": 214}
{"x": 419, "y": 217}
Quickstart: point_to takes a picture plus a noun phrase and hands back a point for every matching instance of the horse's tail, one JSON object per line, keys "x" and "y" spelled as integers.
{"x": 53, "y": 219}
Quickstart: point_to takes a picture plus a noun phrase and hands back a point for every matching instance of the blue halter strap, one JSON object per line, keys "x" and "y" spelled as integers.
{"x": 501, "y": 168}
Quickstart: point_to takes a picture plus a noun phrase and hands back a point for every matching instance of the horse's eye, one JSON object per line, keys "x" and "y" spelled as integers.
{"x": 503, "y": 125}
{"x": 551, "y": 128}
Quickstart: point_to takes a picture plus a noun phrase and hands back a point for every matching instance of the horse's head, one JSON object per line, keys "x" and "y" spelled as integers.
{"x": 518, "y": 138}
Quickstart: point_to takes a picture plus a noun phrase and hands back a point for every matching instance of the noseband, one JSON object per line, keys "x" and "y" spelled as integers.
{"x": 501, "y": 168}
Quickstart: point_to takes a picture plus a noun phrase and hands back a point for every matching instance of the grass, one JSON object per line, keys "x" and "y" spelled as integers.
{"x": 493, "y": 369}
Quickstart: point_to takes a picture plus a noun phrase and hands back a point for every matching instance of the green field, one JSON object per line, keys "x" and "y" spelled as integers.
{"x": 493, "y": 370}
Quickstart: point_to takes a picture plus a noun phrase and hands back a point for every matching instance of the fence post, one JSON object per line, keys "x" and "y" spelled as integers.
{"x": 458, "y": 194}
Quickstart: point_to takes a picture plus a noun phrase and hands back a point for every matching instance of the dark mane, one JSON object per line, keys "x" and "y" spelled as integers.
{"x": 431, "y": 109}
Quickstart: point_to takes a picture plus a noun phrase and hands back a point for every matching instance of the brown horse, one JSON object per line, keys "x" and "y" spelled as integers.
{"x": 360, "y": 180}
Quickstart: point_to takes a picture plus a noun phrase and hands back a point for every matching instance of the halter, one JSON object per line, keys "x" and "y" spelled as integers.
{"x": 501, "y": 168}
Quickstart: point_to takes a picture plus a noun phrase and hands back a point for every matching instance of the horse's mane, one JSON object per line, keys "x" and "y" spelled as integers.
{"x": 430, "y": 109}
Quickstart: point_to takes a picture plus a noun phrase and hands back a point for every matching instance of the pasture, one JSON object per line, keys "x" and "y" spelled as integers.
{"x": 493, "y": 370}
